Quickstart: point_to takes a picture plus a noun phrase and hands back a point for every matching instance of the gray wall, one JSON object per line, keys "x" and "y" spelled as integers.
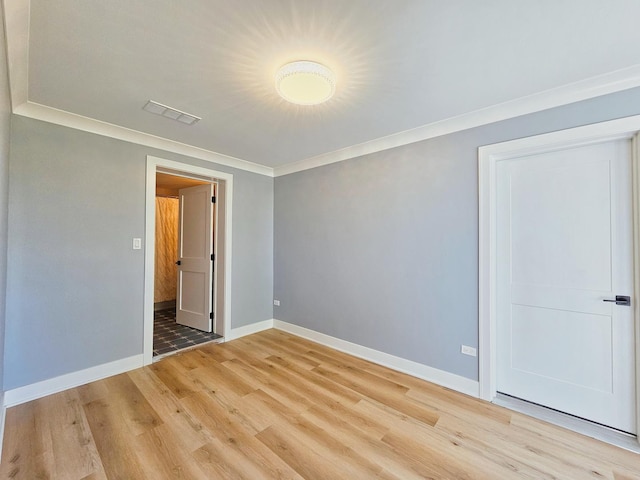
{"x": 379, "y": 250}
{"x": 75, "y": 286}
{"x": 5, "y": 132}
{"x": 382, "y": 250}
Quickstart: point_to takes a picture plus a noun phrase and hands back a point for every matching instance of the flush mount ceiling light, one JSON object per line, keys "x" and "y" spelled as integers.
{"x": 305, "y": 83}
{"x": 170, "y": 112}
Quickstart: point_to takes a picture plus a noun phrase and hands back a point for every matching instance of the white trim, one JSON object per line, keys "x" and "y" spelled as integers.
{"x": 574, "y": 92}
{"x": 245, "y": 330}
{"x": 153, "y": 164}
{"x": 419, "y": 370}
{"x": 635, "y": 173}
{"x": 17, "y": 32}
{"x": 3, "y": 419}
{"x": 17, "y": 20}
{"x": 488, "y": 157}
{"x": 70, "y": 380}
{"x": 17, "y": 15}
{"x": 86, "y": 124}
{"x": 575, "y": 424}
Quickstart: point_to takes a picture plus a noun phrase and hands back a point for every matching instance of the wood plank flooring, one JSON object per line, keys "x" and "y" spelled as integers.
{"x": 272, "y": 405}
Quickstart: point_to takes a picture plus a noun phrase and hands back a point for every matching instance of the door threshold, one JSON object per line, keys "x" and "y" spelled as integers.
{"x": 157, "y": 358}
{"x": 576, "y": 424}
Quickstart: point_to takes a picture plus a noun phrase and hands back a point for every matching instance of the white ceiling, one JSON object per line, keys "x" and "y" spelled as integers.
{"x": 400, "y": 64}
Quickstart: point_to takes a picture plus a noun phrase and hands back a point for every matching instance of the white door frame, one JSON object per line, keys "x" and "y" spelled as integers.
{"x": 488, "y": 158}
{"x": 153, "y": 164}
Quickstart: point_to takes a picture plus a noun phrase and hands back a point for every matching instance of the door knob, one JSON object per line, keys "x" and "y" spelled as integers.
{"x": 180, "y": 263}
{"x": 619, "y": 300}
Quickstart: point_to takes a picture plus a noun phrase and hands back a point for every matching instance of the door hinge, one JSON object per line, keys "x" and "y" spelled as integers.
{"x": 211, "y": 315}
{"x": 213, "y": 257}
{"x": 213, "y": 199}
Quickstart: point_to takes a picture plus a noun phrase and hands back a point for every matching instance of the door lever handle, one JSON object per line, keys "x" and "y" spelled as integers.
{"x": 180, "y": 263}
{"x": 619, "y": 300}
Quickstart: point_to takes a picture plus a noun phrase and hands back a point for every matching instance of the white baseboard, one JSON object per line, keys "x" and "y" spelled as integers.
{"x": 249, "y": 329}
{"x": 433, "y": 375}
{"x": 54, "y": 385}
{"x": 37, "y": 390}
{"x": 3, "y": 417}
{"x": 41, "y": 389}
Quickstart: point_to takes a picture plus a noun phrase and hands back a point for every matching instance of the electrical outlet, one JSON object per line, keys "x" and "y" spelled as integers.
{"x": 468, "y": 350}
{"x": 276, "y": 303}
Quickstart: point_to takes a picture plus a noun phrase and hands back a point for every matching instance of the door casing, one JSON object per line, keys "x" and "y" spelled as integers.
{"x": 488, "y": 158}
{"x": 154, "y": 165}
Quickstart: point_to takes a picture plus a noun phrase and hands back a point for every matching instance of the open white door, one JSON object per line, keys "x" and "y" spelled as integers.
{"x": 564, "y": 243}
{"x": 195, "y": 250}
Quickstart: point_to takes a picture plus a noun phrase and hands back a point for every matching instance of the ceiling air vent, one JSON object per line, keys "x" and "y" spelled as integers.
{"x": 172, "y": 113}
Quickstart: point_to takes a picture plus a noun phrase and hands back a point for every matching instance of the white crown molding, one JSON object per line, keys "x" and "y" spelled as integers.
{"x": 616, "y": 81}
{"x": 17, "y": 32}
{"x": 41, "y": 389}
{"x": 415, "y": 369}
{"x": 16, "y": 23}
{"x": 79, "y": 122}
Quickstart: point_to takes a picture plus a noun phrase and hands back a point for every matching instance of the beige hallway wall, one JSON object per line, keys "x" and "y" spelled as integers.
{"x": 166, "y": 248}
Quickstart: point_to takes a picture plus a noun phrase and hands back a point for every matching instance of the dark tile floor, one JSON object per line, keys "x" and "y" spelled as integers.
{"x": 169, "y": 336}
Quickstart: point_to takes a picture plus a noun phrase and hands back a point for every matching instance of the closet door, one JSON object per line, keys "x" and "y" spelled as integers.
{"x": 565, "y": 324}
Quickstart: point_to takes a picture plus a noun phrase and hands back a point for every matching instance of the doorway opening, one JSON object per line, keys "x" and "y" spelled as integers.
{"x": 171, "y": 331}
{"x": 187, "y": 257}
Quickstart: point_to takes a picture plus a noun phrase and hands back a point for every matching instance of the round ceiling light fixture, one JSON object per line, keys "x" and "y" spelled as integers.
{"x": 305, "y": 83}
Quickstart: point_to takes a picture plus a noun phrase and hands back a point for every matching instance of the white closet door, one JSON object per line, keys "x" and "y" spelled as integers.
{"x": 564, "y": 231}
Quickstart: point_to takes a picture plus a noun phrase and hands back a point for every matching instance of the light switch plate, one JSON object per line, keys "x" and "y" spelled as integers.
{"x": 137, "y": 243}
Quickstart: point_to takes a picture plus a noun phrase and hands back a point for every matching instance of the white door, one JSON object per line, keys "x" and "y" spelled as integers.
{"x": 195, "y": 249}
{"x": 564, "y": 243}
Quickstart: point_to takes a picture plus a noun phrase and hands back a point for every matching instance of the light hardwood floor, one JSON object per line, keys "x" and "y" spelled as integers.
{"x": 272, "y": 405}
